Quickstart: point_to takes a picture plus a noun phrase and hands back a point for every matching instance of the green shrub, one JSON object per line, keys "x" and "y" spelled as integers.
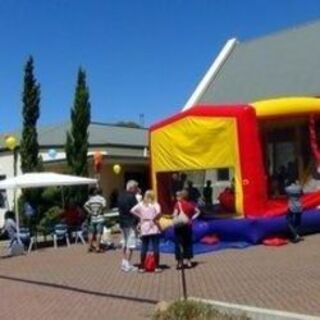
{"x": 192, "y": 310}
{"x": 50, "y": 218}
{"x": 50, "y": 198}
{"x": 41, "y": 199}
{"x": 52, "y": 195}
{"x": 22, "y": 217}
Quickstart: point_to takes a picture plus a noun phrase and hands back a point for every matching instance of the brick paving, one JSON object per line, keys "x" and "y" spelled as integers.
{"x": 69, "y": 283}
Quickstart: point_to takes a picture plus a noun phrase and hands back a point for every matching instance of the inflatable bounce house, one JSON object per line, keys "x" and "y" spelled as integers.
{"x": 256, "y": 141}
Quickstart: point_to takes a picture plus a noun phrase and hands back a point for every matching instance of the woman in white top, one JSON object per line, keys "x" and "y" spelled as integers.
{"x": 149, "y": 211}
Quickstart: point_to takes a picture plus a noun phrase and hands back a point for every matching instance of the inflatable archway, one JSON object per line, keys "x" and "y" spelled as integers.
{"x": 224, "y": 136}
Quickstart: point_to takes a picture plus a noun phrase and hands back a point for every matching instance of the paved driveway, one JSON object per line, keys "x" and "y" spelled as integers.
{"x": 69, "y": 283}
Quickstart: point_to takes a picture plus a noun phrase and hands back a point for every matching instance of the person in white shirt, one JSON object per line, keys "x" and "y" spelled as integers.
{"x": 95, "y": 207}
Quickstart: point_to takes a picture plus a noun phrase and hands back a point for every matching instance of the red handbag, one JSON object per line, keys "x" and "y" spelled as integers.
{"x": 150, "y": 262}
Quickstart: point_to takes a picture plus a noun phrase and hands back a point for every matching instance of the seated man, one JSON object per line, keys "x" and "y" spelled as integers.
{"x": 73, "y": 216}
{"x": 227, "y": 200}
{"x": 207, "y": 193}
{"x": 194, "y": 194}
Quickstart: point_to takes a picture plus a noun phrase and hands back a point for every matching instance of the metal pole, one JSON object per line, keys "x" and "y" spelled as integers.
{"x": 62, "y": 198}
{"x": 184, "y": 283}
{"x": 15, "y": 158}
{"x": 183, "y": 279}
{"x": 15, "y": 197}
{"x": 17, "y": 215}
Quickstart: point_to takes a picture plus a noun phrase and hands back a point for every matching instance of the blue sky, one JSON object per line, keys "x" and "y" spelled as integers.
{"x": 141, "y": 56}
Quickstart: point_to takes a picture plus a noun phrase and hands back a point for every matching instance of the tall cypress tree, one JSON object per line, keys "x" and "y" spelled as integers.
{"x": 29, "y": 147}
{"x": 76, "y": 147}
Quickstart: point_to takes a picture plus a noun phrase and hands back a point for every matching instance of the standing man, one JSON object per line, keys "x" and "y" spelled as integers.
{"x": 95, "y": 207}
{"x": 176, "y": 185}
{"x": 128, "y": 222}
{"x": 207, "y": 193}
{"x": 193, "y": 192}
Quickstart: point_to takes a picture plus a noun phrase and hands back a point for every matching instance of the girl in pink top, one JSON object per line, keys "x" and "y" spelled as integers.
{"x": 148, "y": 211}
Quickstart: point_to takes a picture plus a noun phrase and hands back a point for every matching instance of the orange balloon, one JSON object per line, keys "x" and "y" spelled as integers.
{"x": 97, "y": 158}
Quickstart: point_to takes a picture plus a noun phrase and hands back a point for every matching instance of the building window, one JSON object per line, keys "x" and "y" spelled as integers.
{"x": 223, "y": 174}
{"x": 3, "y": 195}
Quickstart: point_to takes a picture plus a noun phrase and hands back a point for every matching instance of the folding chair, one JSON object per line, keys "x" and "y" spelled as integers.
{"x": 26, "y": 238}
{"x": 60, "y": 232}
{"x": 79, "y": 235}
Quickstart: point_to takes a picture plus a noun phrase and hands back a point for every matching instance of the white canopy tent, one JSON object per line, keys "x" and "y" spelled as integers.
{"x": 39, "y": 180}
{"x": 44, "y": 179}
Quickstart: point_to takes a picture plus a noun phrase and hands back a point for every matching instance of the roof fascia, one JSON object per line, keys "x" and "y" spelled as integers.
{"x": 211, "y": 73}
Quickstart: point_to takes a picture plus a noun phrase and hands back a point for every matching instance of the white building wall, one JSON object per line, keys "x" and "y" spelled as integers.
{"x": 6, "y": 169}
{"x": 53, "y": 164}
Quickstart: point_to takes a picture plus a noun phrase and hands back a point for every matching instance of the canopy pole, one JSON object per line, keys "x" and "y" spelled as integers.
{"x": 62, "y": 198}
{"x": 16, "y": 210}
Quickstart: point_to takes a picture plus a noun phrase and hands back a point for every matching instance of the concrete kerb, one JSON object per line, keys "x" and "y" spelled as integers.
{"x": 254, "y": 312}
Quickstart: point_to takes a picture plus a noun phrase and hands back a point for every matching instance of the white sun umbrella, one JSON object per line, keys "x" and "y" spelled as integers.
{"x": 42, "y": 179}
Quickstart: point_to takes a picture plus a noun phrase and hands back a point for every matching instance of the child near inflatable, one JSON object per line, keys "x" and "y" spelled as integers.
{"x": 294, "y": 192}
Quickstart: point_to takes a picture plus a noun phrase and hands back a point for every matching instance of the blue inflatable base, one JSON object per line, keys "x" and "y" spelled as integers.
{"x": 167, "y": 246}
{"x": 251, "y": 231}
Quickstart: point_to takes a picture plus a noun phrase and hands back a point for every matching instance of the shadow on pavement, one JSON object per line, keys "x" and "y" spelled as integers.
{"x": 79, "y": 290}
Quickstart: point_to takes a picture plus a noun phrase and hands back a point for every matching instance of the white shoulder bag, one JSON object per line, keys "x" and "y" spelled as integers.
{"x": 181, "y": 219}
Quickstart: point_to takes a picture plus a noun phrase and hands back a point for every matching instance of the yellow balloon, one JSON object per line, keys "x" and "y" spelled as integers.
{"x": 116, "y": 168}
{"x": 11, "y": 142}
